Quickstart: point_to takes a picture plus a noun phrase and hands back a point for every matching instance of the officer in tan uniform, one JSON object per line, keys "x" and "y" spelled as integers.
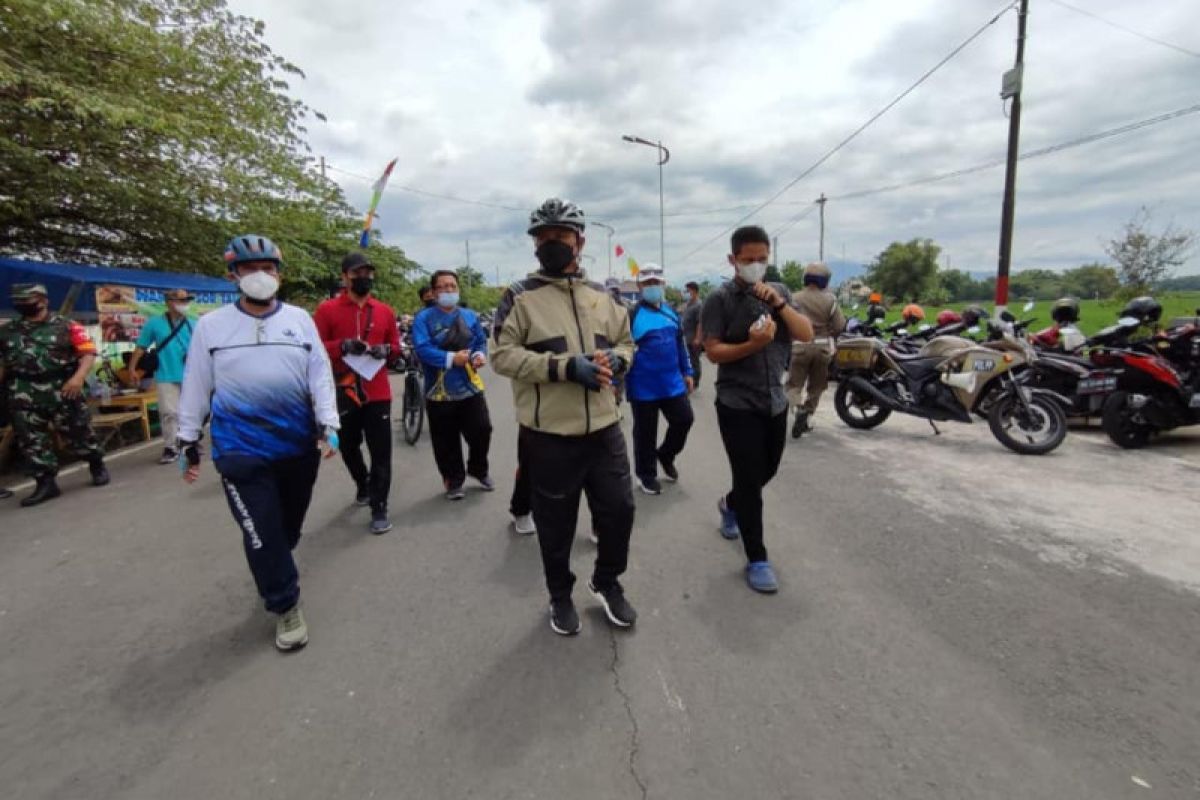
{"x": 810, "y": 360}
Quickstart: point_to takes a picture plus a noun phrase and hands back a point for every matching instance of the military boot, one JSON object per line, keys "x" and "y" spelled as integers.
{"x": 99, "y": 471}
{"x": 46, "y": 489}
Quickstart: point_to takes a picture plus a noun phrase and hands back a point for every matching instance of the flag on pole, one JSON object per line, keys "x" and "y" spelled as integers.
{"x": 377, "y": 192}
{"x": 633, "y": 267}
{"x": 620, "y": 251}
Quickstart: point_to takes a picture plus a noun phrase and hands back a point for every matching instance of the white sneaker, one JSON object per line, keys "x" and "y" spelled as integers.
{"x": 523, "y": 523}
{"x": 594, "y": 536}
{"x": 291, "y": 632}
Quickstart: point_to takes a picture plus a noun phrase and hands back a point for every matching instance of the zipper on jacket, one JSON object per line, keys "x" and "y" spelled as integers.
{"x": 587, "y": 409}
{"x": 537, "y": 406}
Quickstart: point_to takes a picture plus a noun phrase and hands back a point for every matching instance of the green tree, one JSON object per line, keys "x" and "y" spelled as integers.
{"x": 147, "y": 132}
{"x": 793, "y": 275}
{"x": 1144, "y": 257}
{"x": 773, "y": 274}
{"x": 1092, "y": 281}
{"x": 905, "y": 270}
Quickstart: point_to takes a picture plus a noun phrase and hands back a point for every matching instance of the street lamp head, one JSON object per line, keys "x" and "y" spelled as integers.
{"x": 630, "y": 139}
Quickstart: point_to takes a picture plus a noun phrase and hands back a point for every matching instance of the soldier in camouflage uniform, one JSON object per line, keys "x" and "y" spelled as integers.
{"x": 44, "y": 359}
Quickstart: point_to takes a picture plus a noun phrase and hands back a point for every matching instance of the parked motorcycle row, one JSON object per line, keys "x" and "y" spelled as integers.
{"x": 1138, "y": 377}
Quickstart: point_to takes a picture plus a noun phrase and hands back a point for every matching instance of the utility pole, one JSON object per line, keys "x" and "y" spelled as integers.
{"x": 468, "y": 253}
{"x": 1011, "y": 87}
{"x": 821, "y": 250}
{"x": 778, "y": 261}
{"x": 322, "y": 167}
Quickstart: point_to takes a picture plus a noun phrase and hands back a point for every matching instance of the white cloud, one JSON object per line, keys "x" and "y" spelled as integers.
{"x": 510, "y": 101}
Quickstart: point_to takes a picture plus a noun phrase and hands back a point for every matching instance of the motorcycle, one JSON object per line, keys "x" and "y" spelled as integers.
{"x": 951, "y": 379}
{"x": 1155, "y": 389}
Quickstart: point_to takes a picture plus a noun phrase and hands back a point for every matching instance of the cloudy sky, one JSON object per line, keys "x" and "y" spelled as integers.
{"x": 506, "y": 102}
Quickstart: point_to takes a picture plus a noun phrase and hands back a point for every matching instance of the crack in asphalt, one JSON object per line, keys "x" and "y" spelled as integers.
{"x": 635, "y": 734}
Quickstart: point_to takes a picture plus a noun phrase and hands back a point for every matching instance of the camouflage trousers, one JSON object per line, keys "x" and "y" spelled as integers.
{"x": 34, "y": 412}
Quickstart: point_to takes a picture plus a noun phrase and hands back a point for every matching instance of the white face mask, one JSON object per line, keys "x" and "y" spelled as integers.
{"x": 181, "y": 308}
{"x": 259, "y": 285}
{"x": 753, "y": 272}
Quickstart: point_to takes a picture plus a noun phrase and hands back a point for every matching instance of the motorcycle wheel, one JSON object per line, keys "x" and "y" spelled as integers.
{"x": 1031, "y": 433}
{"x": 856, "y": 410}
{"x": 1119, "y": 424}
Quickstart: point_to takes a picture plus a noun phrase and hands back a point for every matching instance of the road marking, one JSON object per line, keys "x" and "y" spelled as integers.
{"x": 136, "y": 448}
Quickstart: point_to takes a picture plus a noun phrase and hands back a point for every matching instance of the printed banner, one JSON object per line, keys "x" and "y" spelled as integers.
{"x": 124, "y": 310}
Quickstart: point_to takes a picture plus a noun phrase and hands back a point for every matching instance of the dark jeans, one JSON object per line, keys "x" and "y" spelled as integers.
{"x": 646, "y": 452}
{"x": 372, "y": 421}
{"x": 754, "y": 444}
{"x": 448, "y": 421}
{"x": 566, "y": 467}
{"x": 694, "y": 354}
{"x": 521, "y": 502}
{"x": 269, "y": 500}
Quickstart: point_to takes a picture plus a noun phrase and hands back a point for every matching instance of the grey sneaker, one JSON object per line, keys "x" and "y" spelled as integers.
{"x": 564, "y": 619}
{"x": 380, "y": 522}
{"x": 291, "y": 631}
{"x": 455, "y": 492}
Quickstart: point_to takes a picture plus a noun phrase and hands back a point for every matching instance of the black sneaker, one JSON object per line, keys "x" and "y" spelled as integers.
{"x": 362, "y": 496}
{"x": 455, "y": 491}
{"x": 169, "y": 456}
{"x": 564, "y": 620}
{"x": 668, "y": 467}
{"x": 616, "y": 607}
{"x": 100, "y": 476}
{"x": 649, "y": 485}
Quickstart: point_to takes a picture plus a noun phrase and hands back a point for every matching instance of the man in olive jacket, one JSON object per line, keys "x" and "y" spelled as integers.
{"x": 562, "y": 340}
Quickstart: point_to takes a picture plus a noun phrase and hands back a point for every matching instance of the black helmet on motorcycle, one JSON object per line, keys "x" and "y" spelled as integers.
{"x": 1065, "y": 310}
{"x": 1144, "y": 309}
{"x": 971, "y": 315}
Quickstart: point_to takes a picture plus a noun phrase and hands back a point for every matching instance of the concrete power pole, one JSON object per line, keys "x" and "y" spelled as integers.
{"x": 821, "y": 250}
{"x": 1011, "y": 88}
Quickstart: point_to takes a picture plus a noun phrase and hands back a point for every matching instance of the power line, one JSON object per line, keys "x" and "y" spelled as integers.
{"x": 787, "y": 226}
{"x": 1130, "y": 31}
{"x": 1054, "y": 148}
{"x": 857, "y": 131}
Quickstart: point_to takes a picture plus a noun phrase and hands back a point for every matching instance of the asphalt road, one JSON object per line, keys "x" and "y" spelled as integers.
{"x": 955, "y": 621}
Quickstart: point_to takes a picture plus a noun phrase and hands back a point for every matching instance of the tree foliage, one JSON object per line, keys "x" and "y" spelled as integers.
{"x": 1145, "y": 258}
{"x": 793, "y": 275}
{"x": 906, "y": 270}
{"x": 145, "y": 133}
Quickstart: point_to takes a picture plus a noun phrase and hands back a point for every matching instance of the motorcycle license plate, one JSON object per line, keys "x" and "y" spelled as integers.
{"x": 853, "y": 359}
{"x": 1097, "y": 385}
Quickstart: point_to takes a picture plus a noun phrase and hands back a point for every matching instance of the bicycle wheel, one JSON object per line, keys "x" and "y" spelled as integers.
{"x": 413, "y": 416}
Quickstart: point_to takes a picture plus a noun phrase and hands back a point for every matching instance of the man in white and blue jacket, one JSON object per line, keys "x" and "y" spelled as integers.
{"x": 660, "y": 379}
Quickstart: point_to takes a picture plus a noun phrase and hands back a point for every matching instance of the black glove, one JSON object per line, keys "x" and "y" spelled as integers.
{"x": 189, "y": 453}
{"x": 353, "y": 347}
{"x": 582, "y": 370}
{"x": 616, "y": 363}
{"x": 380, "y": 351}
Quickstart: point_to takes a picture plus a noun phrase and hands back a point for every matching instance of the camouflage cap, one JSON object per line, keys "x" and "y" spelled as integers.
{"x": 24, "y": 292}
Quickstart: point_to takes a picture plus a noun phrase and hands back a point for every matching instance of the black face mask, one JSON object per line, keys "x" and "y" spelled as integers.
{"x": 28, "y": 309}
{"x": 361, "y": 286}
{"x": 554, "y": 256}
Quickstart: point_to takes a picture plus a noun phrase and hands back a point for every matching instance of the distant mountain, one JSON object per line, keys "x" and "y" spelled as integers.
{"x": 844, "y": 270}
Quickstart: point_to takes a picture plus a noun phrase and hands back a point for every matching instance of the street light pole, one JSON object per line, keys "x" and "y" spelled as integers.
{"x": 611, "y": 231}
{"x": 664, "y": 155}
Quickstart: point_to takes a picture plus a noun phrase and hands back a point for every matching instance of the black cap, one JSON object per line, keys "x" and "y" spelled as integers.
{"x": 355, "y": 260}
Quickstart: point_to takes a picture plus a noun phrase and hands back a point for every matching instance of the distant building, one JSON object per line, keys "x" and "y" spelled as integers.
{"x": 853, "y": 291}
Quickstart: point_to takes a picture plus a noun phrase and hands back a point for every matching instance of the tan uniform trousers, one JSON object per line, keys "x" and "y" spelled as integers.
{"x": 810, "y": 366}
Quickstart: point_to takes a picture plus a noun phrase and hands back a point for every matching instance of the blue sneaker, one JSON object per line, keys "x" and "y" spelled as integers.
{"x": 729, "y": 527}
{"x": 761, "y": 577}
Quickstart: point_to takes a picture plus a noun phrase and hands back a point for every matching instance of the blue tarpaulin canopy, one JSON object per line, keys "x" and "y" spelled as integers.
{"x": 59, "y": 278}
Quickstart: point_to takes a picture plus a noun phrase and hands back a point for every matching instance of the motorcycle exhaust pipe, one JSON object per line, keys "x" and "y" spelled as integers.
{"x": 864, "y": 387}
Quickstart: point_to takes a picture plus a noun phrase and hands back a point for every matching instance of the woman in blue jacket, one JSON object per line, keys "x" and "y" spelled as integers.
{"x": 452, "y": 347}
{"x": 660, "y": 379}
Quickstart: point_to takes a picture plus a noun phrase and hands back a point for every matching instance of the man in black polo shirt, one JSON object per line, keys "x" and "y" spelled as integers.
{"x": 748, "y": 328}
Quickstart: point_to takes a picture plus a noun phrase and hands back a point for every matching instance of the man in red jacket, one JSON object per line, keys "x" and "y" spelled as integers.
{"x": 360, "y": 336}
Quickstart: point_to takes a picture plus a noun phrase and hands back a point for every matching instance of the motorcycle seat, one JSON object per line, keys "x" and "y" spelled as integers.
{"x": 919, "y": 367}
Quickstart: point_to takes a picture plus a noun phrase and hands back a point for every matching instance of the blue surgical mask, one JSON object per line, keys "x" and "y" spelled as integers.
{"x": 447, "y": 299}
{"x": 652, "y": 294}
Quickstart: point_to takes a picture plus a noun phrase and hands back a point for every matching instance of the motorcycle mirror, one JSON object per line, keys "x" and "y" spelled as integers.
{"x": 1029, "y": 306}
{"x": 973, "y": 329}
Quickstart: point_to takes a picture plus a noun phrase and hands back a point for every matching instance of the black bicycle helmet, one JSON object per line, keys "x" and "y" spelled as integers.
{"x": 972, "y": 315}
{"x": 556, "y": 213}
{"x": 1065, "y": 310}
{"x": 1145, "y": 309}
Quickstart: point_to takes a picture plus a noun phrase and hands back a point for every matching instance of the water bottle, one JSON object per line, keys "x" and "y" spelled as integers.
{"x": 105, "y": 394}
